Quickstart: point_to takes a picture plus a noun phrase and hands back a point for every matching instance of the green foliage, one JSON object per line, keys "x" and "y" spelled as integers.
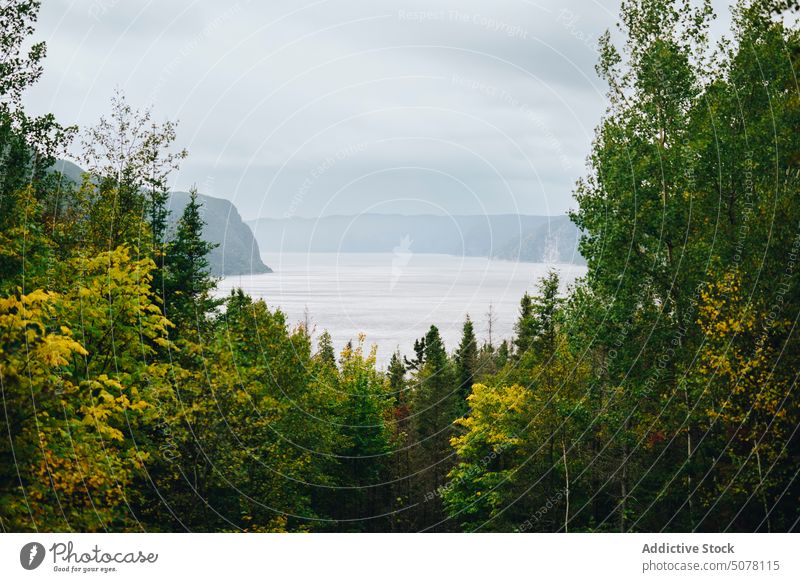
{"x": 363, "y": 456}
{"x": 67, "y": 464}
{"x": 466, "y": 359}
{"x": 537, "y": 317}
{"x": 325, "y": 351}
{"x": 188, "y": 282}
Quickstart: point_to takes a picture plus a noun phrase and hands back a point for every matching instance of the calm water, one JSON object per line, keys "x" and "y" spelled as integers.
{"x": 394, "y": 297}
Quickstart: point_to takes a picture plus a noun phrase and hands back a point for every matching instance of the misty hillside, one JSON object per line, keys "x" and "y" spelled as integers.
{"x": 68, "y": 170}
{"x": 237, "y": 253}
{"x": 507, "y": 236}
{"x": 556, "y": 241}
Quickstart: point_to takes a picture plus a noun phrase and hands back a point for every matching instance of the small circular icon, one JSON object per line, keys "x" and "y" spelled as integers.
{"x": 31, "y": 555}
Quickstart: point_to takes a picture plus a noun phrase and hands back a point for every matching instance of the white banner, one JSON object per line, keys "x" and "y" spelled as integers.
{"x": 355, "y": 557}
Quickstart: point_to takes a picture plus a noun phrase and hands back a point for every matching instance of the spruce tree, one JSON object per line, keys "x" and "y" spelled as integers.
{"x": 523, "y": 327}
{"x": 419, "y": 355}
{"x": 536, "y": 326}
{"x": 325, "y": 352}
{"x": 467, "y": 358}
{"x": 396, "y": 375}
{"x": 188, "y": 282}
{"x": 433, "y": 350}
{"x": 545, "y": 311}
{"x": 502, "y": 354}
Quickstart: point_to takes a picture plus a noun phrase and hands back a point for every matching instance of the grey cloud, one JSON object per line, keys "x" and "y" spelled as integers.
{"x": 501, "y": 96}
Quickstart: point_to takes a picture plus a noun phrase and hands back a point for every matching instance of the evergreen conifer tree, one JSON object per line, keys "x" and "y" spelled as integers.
{"x": 188, "y": 282}
{"x": 467, "y": 358}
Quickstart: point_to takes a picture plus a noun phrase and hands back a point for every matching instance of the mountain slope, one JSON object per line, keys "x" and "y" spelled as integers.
{"x": 555, "y": 241}
{"x": 237, "y": 253}
{"x": 506, "y": 236}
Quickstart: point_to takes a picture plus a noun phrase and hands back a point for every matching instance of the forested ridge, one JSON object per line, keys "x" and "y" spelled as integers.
{"x": 658, "y": 394}
{"x": 516, "y": 237}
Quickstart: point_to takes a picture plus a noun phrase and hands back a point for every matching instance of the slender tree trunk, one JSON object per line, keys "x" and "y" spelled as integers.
{"x": 761, "y": 492}
{"x": 623, "y": 504}
{"x": 566, "y": 485}
{"x": 689, "y": 452}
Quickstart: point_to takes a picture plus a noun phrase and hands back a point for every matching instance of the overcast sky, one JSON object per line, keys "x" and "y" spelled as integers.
{"x": 312, "y": 108}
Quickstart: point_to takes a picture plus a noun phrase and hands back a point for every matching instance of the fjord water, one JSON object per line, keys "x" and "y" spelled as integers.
{"x": 394, "y": 297}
